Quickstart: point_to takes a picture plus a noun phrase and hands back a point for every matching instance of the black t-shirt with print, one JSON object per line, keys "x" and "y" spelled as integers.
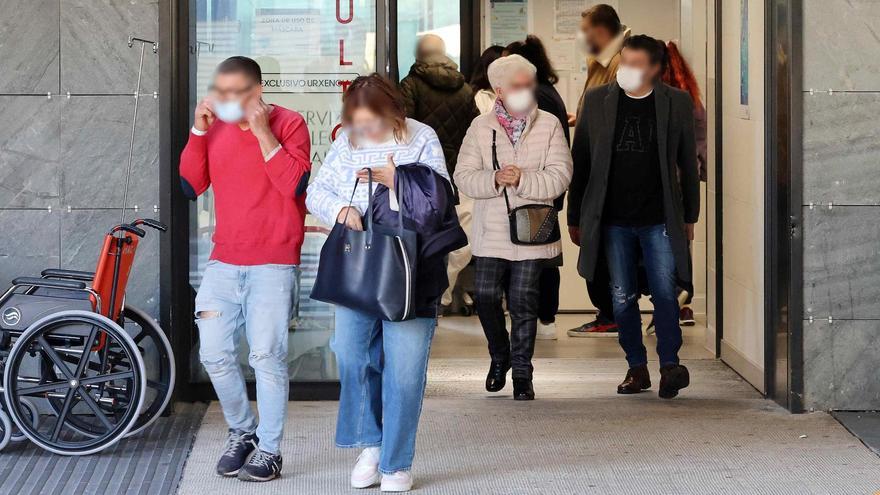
{"x": 635, "y": 193}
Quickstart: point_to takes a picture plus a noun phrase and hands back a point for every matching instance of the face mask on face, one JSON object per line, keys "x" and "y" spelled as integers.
{"x": 630, "y": 78}
{"x": 230, "y": 112}
{"x": 519, "y": 101}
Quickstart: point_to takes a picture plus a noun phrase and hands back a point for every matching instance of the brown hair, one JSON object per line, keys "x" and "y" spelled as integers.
{"x": 603, "y": 15}
{"x": 375, "y": 93}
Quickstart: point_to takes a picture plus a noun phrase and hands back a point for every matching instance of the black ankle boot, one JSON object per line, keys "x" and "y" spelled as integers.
{"x": 522, "y": 389}
{"x": 673, "y": 378}
{"x": 497, "y": 377}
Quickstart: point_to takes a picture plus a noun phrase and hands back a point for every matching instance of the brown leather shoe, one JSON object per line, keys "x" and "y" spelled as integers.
{"x": 637, "y": 379}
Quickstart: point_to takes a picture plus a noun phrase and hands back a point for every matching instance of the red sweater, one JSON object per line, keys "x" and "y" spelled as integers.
{"x": 260, "y": 205}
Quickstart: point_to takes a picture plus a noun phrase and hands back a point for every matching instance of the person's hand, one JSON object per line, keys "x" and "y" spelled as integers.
{"x": 575, "y": 234}
{"x": 382, "y": 175}
{"x": 689, "y": 230}
{"x": 204, "y": 115}
{"x": 572, "y": 119}
{"x": 257, "y": 114}
{"x": 508, "y": 176}
{"x": 350, "y": 217}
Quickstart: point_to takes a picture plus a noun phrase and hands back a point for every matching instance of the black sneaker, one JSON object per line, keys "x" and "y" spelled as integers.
{"x": 239, "y": 446}
{"x": 262, "y": 466}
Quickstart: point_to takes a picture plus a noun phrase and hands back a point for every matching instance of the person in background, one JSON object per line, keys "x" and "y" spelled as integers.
{"x": 484, "y": 100}
{"x": 255, "y": 156}
{"x": 678, "y": 74}
{"x": 602, "y": 35}
{"x": 535, "y": 167}
{"x": 549, "y": 101}
{"x": 636, "y": 192}
{"x": 382, "y": 364}
{"x": 436, "y": 93}
{"x": 484, "y": 95}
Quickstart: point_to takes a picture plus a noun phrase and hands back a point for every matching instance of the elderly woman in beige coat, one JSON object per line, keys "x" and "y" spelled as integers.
{"x": 535, "y": 167}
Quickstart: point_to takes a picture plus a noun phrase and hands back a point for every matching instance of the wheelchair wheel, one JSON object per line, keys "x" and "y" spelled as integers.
{"x": 158, "y": 360}
{"x": 5, "y": 429}
{"x": 89, "y": 368}
{"x": 33, "y": 415}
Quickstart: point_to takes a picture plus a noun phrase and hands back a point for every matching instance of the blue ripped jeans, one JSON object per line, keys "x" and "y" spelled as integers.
{"x": 623, "y": 248}
{"x": 383, "y": 369}
{"x": 256, "y": 300}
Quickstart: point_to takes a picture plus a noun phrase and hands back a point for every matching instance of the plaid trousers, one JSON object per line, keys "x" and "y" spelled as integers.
{"x": 495, "y": 277}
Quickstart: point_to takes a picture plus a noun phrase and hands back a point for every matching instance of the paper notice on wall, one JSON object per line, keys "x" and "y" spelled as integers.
{"x": 508, "y": 21}
{"x": 562, "y": 54}
{"x": 567, "y": 15}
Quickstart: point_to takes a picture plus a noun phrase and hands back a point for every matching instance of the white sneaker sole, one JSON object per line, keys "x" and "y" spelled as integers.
{"x": 396, "y": 489}
{"x": 367, "y": 483}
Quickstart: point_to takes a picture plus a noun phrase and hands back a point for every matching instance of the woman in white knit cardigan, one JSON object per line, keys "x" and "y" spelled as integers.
{"x": 536, "y": 167}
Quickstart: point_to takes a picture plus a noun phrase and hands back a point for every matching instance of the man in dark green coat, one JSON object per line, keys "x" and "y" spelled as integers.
{"x": 436, "y": 94}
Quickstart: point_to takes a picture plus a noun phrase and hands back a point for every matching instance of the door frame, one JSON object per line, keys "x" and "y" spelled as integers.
{"x": 783, "y": 193}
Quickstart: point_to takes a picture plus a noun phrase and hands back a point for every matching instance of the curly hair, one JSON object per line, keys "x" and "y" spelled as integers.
{"x": 678, "y": 74}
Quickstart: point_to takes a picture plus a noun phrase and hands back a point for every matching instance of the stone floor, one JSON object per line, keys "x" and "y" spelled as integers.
{"x": 578, "y": 437}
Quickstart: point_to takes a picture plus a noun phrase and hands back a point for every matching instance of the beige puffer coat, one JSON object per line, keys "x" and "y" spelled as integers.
{"x": 545, "y": 160}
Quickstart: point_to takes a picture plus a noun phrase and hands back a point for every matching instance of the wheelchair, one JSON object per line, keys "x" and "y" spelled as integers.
{"x": 80, "y": 368}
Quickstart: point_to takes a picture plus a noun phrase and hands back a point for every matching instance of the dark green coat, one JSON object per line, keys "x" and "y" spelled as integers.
{"x": 436, "y": 94}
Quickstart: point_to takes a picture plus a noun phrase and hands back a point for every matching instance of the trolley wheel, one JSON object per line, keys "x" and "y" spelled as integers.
{"x": 158, "y": 360}
{"x": 33, "y": 415}
{"x": 102, "y": 386}
{"x": 5, "y": 429}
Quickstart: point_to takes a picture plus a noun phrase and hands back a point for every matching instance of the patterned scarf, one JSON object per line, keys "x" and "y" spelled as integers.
{"x": 513, "y": 126}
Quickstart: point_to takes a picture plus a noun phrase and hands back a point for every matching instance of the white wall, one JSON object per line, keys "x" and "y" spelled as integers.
{"x": 743, "y": 197}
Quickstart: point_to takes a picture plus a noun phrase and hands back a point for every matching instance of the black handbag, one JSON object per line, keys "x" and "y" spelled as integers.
{"x": 371, "y": 271}
{"x": 530, "y": 225}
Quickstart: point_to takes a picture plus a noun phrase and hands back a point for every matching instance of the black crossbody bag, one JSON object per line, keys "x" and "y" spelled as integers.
{"x": 530, "y": 225}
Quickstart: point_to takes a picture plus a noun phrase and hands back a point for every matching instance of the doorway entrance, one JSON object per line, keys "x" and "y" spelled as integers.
{"x": 310, "y": 50}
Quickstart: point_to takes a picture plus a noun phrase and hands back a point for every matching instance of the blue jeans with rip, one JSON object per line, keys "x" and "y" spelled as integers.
{"x": 624, "y": 246}
{"x": 383, "y": 369}
{"x": 257, "y": 301}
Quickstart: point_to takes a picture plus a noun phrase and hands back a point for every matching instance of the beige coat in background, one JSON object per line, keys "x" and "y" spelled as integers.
{"x": 544, "y": 158}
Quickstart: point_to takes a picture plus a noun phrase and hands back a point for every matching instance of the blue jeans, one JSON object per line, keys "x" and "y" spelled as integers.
{"x": 624, "y": 246}
{"x": 383, "y": 368}
{"x": 257, "y": 300}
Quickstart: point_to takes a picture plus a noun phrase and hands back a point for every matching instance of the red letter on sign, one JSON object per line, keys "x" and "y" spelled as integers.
{"x": 350, "y": 12}
{"x": 342, "y": 60}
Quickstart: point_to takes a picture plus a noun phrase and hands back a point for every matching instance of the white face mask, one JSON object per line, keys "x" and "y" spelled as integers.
{"x": 630, "y": 78}
{"x": 520, "y": 101}
{"x": 230, "y": 112}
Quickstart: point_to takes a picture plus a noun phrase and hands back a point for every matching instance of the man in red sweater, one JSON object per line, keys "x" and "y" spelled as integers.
{"x": 256, "y": 158}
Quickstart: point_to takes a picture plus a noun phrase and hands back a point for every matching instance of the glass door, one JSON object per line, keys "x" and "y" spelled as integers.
{"x": 309, "y": 50}
{"x": 418, "y": 17}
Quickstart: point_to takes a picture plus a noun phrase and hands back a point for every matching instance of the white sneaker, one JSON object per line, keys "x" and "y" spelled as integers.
{"x": 401, "y": 481}
{"x": 546, "y": 331}
{"x": 366, "y": 470}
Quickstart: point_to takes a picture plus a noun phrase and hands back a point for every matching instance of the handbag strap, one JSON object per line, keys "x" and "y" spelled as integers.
{"x": 496, "y": 166}
{"x": 369, "y": 214}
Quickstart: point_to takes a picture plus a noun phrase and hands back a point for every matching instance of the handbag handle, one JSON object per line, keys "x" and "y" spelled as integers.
{"x": 495, "y": 166}
{"x": 369, "y": 214}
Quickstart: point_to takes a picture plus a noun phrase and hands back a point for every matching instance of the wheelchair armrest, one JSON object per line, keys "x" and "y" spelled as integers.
{"x": 68, "y": 274}
{"x": 49, "y": 283}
